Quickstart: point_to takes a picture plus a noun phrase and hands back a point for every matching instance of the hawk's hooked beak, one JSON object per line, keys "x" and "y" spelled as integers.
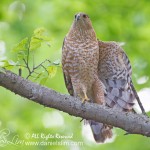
{"x": 77, "y": 17}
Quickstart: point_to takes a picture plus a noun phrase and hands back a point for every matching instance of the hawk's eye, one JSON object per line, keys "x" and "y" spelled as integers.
{"x": 84, "y": 16}
{"x": 75, "y": 16}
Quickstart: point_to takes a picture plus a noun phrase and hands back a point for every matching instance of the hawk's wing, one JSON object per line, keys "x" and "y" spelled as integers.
{"x": 118, "y": 81}
{"x": 65, "y": 71}
{"x": 68, "y": 84}
{"x": 128, "y": 66}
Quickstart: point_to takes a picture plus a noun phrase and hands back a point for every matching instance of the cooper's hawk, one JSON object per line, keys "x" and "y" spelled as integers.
{"x": 96, "y": 70}
{"x": 80, "y": 57}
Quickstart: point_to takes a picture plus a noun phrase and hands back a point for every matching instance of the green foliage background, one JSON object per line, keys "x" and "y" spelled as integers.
{"x": 123, "y": 21}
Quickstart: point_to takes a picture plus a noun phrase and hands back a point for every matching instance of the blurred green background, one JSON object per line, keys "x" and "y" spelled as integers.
{"x": 122, "y": 21}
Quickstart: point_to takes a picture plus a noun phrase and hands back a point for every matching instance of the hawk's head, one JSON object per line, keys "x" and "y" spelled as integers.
{"x": 82, "y": 28}
{"x": 81, "y": 16}
{"x": 82, "y": 20}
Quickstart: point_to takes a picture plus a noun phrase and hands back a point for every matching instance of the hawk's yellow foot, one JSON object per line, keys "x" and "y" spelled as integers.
{"x": 85, "y": 98}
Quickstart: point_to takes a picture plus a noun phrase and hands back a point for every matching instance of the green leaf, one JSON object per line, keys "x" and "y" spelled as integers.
{"x": 9, "y": 64}
{"x": 43, "y": 80}
{"x": 39, "y": 31}
{"x": 21, "y": 55}
{"x": 39, "y": 75}
{"x": 52, "y": 71}
{"x": 35, "y": 43}
{"x": 56, "y": 62}
{"x": 21, "y": 46}
{"x": 37, "y": 38}
{"x": 42, "y": 38}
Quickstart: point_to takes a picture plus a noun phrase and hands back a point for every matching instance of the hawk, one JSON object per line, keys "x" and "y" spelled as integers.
{"x": 80, "y": 58}
{"x": 96, "y": 71}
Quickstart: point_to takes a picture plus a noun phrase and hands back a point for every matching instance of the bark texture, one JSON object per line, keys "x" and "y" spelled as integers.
{"x": 132, "y": 123}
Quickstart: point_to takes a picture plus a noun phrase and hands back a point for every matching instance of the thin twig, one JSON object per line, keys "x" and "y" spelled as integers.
{"x": 28, "y": 51}
{"x": 27, "y": 62}
{"x": 40, "y": 64}
{"x": 45, "y": 69}
{"x": 33, "y": 70}
{"x": 27, "y": 66}
{"x": 33, "y": 61}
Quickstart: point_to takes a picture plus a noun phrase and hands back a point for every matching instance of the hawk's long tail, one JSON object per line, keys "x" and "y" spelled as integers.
{"x": 100, "y": 131}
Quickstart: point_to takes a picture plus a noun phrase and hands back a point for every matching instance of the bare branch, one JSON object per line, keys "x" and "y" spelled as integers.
{"x": 132, "y": 123}
{"x": 27, "y": 66}
{"x": 40, "y": 64}
{"x": 28, "y": 51}
{"x": 34, "y": 68}
{"x": 45, "y": 69}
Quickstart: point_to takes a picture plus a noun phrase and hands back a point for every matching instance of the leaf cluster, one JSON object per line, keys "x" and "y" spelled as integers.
{"x": 25, "y": 52}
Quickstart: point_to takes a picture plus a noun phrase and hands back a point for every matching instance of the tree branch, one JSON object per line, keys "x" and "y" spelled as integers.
{"x": 132, "y": 123}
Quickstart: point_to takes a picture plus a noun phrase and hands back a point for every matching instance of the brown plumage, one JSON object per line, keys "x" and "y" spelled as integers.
{"x": 97, "y": 70}
{"x": 80, "y": 58}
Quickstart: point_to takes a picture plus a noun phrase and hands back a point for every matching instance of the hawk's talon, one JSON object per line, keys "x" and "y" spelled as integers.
{"x": 85, "y": 99}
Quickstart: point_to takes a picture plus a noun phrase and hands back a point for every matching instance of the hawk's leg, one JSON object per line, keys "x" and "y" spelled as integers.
{"x": 79, "y": 90}
{"x": 98, "y": 91}
{"x": 84, "y": 98}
